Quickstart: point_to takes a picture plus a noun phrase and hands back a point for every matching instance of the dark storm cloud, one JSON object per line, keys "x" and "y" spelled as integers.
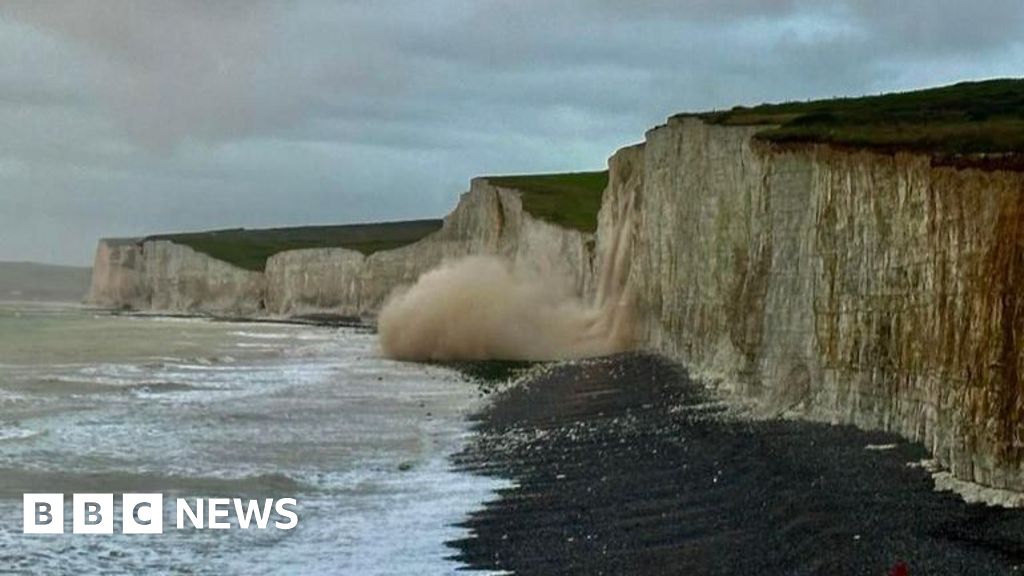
{"x": 124, "y": 117}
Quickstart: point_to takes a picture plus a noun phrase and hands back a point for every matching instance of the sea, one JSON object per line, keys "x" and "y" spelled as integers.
{"x": 93, "y": 402}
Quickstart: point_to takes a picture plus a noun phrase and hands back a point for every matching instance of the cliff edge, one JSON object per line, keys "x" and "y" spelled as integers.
{"x": 852, "y": 286}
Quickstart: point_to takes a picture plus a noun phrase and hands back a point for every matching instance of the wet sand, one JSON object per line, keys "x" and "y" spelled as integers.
{"x": 626, "y": 466}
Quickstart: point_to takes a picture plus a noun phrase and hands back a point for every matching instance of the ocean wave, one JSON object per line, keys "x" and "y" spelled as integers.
{"x": 20, "y": 480}
{"x": 150, "y": 388}
{"x": 219, "y": 362}
{"x": 74, "y": 384}
{"x": 263, "y": 335}
{"x": 14, "y": 433}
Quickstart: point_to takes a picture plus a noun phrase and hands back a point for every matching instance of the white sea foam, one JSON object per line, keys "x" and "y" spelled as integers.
{"x": 263, "y": 335}
{"x": 180, "y": 404}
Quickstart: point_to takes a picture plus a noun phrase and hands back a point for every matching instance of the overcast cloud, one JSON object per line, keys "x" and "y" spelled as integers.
{"x": 123, "y": 118}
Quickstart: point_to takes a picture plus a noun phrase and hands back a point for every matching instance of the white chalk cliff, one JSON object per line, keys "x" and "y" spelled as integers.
{"x": 845, "y": 286}
{"x": 160, "y": 275}
{"x": 839, "y": 285}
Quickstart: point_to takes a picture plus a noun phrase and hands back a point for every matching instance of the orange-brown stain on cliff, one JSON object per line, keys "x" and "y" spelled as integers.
{"x": 1003, "y": 265}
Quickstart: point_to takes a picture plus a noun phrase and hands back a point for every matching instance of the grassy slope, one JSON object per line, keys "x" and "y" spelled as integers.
{"x": 569, "y": 200}
{"x": 964, "y": 118}
{"x": 250, "y": 249}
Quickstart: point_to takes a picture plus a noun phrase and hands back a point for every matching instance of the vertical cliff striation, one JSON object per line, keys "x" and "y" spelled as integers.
{"x": 140, "y": 274}
{"x": 179, "y": 278}
{"x": 117, "y": 274}
{"x": 841, "y": 285}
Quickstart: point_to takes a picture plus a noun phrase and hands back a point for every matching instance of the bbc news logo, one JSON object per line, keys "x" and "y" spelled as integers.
{"x": 144, "y": 513}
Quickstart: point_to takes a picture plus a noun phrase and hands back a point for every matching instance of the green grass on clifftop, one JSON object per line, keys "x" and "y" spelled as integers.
{"x": 250, "y": 249}
{"x": 569, "y": 200}
{"x": 965, "y": 118}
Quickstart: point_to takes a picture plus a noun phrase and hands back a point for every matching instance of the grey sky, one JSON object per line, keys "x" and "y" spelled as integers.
{"x": 122, "y": 118}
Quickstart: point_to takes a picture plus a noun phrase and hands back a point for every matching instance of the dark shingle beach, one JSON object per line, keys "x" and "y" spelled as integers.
{"x": 625, "y": 465}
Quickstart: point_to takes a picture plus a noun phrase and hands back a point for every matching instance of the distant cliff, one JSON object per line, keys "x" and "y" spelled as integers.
{"x": 141, "y": 274}
{"x": 161, "y": 275}
{"x": 847, "y": 286}
{"x": 487, "y": 220}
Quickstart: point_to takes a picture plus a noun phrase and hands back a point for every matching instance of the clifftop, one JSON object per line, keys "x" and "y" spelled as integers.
{"x": 968, "y": 119}
{"x": 569, "y": 200}
{"x": 249, "y": 249}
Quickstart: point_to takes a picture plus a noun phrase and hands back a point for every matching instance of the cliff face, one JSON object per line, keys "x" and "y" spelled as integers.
{"x": 165, "y": 276}
{"x": 179, "y": 278}
{"x": 842, "y": 286}
{"x": 117, "y": 276}
{"x": 161, "y": 275}
{"x": 487, "y": 220}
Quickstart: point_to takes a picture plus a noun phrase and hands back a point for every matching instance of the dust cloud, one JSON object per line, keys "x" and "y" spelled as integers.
{"x": 484, "y": 307}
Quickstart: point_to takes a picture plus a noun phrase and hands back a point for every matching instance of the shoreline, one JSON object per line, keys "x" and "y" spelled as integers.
{"x": 313, "y": 319}
{"x": 325, "y": 320}
{"x": 624, "y": 465}
{"x": 487, "y": 372}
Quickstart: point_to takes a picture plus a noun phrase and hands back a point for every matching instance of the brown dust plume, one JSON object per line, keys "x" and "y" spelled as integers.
{"x": 483, "y": 307}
